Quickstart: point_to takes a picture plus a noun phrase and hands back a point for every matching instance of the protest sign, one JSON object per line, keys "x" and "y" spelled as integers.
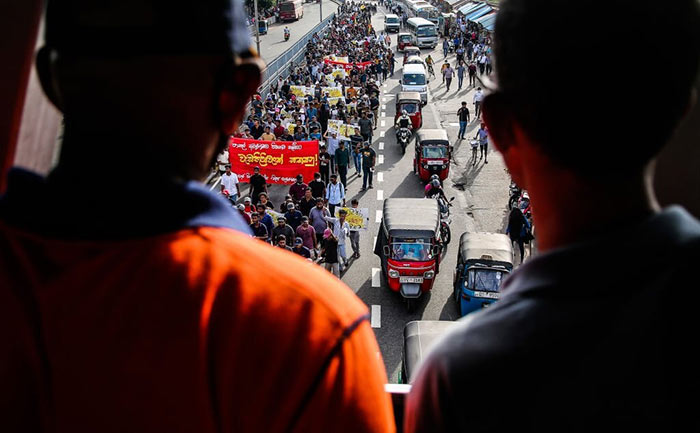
{"x": 279, "y": 161}
{"x": 357, "y": 218}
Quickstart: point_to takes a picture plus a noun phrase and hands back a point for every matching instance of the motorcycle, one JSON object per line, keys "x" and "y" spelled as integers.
{"x": 450, "y": 46}
{"x": 445, "y": 220}
{"x": 286, "y": 36}
{"x": 403, "y": 135}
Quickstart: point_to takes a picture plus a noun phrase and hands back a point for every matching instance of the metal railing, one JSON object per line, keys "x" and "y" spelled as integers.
{"x": 280, "y": 66}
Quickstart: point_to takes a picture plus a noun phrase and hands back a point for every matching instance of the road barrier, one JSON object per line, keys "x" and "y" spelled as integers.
{"x": 279, "y": 68}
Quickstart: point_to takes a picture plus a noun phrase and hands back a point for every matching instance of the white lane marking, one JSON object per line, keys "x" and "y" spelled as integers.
{"x": 384, "y": 99}
{"x": 384, "y": 106}
{"x": 380, "y": 177}
{"x": 454, "y": 124}
{"x": 381, "y": 133}
{"x": 378, "y": 218}
{"x": 383, "y": 113}
{"x": 380, "y": 195}
{"x": 380, "y": 159}
{"x": 383, "y": 123}
{"x": 375, "y": 277}
{"x": 390, "y": 95}
{"x": 381, "y": 145}
{"x": 376, "y": 320}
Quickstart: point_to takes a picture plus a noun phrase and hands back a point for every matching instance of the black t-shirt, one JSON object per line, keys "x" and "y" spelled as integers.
{"x": 303, "y": 251}
{"x": 260, "y": 230}
{"x": 463, "y": 114}
{"x": 324, "y": 160}
{"x": 330, "y": 246}
{"x": 368, "y": 157}
{"x": 306, "y": 206}
{"x": 256, "y": 131}
{"x": 318, "y": 187}
{"x": 258, "y": 181}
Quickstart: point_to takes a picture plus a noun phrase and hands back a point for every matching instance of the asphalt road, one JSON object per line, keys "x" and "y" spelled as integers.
{"x": 273, "y": 44}
{"x": 481, "y": 193}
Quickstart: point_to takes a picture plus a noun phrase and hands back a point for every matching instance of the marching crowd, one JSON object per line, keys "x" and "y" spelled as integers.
{"x": 306, "y": 223}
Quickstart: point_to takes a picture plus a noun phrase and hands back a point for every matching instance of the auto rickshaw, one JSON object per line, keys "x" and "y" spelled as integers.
{"x": 262, "y": 26}
{"x": 433, "y": 152}
{"x": 411, "y": 102}
{"x": 419, "y": 336}
{"x": 483, "y": 262}
{"x": 410, "y": 51}
{"x": 403, "y": 40}
{"x": 409, "y": 246}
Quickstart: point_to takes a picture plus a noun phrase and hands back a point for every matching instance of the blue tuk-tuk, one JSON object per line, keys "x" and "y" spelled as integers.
{"x": 262, "y": 26}
{"x": 484, "y": 261}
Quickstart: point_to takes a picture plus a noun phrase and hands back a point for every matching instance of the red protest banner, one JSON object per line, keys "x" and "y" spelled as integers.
{"x": 347, "y": 66}
{"x": 279, "y": 161}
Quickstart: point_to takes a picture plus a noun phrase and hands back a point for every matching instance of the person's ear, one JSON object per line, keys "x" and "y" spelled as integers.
{"x": 44, "y": 62}
{"x": 237, "y": 91}
{"x": 505, "y": 133}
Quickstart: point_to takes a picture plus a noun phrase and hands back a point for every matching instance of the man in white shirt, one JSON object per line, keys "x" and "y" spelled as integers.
{"x": 222, "y": 161}
{"x": 335, "y": 194}
{"x": 332, "y": 143}
{"x": 341, "y": 230}
{"x": 478, "y": 97}
{"x": 229, "y": 185}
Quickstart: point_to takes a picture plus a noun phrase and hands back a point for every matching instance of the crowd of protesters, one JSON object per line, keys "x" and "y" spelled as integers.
{"x": 307, "y": 222}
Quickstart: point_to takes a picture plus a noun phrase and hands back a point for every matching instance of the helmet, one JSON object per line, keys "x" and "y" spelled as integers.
{"x": 435, "y": 177}
{"x": 435, "y": 183}
{"x": 404, "y": 113}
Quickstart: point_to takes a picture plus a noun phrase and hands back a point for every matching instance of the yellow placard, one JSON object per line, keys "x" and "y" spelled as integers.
{"x": 298, "y": 91}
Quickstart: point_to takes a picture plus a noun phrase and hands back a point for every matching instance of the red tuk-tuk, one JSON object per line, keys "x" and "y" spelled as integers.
{"x": 403, "y": 40}
{"x": 410, "y": 101}
{"x": 433, "y": 151}
{"x": 409, "y": 246}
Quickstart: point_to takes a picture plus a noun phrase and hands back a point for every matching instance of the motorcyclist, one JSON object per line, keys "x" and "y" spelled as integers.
{"x": 404, "y": 121}
{"x": 435, "y": 189}
{"x": 286, "y": 32}
{"x": 429, "y": 62}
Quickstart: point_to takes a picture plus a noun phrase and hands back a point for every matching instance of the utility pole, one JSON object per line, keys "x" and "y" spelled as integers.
{"x": 320, "y": 10}
{"x": 257, "y": 27}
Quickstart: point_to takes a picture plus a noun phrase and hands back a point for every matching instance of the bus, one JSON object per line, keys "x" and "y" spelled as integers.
{"x": 424, "y": 32}
{"x": 427, "y": 11}
{"x": 291, "y": 10}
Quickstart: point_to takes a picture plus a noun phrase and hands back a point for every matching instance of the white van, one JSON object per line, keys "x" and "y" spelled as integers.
{"x": 415, "y": 79}
{"x": 391, "y": 23}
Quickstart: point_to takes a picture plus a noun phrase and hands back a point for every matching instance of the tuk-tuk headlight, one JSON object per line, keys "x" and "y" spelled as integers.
{"x": 393, "y": 273}
{"x": 429, "y": 275}
{"x": 444, "y": 166}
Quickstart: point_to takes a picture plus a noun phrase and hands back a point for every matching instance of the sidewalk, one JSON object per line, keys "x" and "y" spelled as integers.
{"x": 482, "y": 189}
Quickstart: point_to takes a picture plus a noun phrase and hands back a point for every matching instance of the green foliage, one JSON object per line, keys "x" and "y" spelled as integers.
{"x": 262, "y": 4}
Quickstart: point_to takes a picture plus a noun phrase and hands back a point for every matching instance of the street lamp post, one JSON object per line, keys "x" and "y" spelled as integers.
{"x": 257, "y": 27}
{"x": 320, "y": 10}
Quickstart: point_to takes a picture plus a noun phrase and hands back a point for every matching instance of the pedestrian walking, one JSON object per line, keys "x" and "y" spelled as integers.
{"x": 332, "y": 143}
{"x": 518, "y": 230}
{"x": 449, "y": 74}
{"x": 472, "y": 74}
{"x": 460, "y": 75}
{"x": 342, "y": 160}
{"x": 483, "y": 136}
{"x": 335, "y": 194}
{"x": 478, "y": 97}
{"x": 355, "y": 233}
{"x": 445, "y": 47}
{"x": 341, "y": 230}
{"x": 365, "y": 127}
{"x": 463, "y": 115}
{"x": 369, "y": 157}
{"x": 324, "y": 165}
{"x": 317, "y": 218}
{"x": 482, "y": 64}
{"x": 489, "y": 67}
{"x": 329, "y": 252}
